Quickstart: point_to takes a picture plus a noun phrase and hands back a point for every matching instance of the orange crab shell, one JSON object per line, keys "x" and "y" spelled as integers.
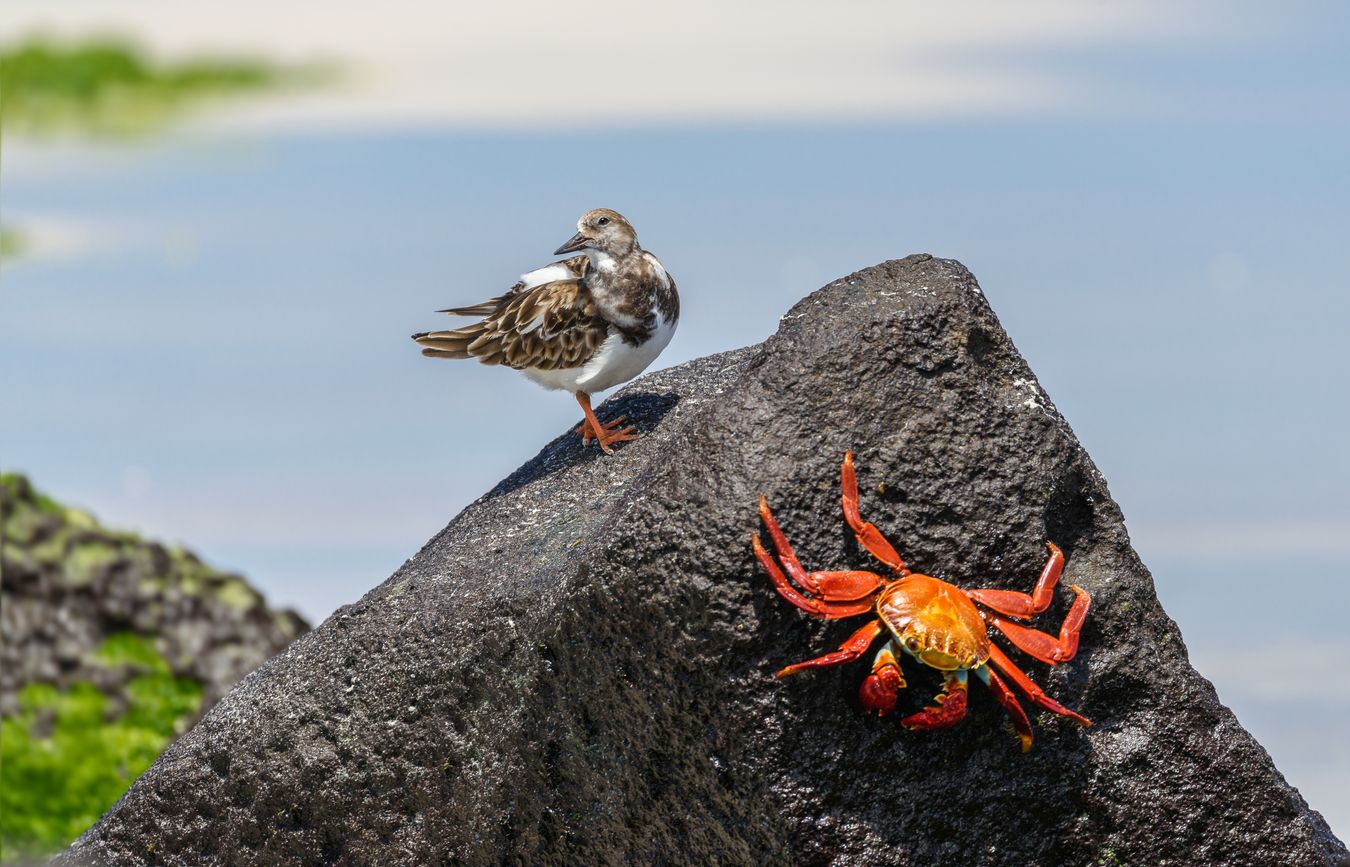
{"x": 936, "y": 622}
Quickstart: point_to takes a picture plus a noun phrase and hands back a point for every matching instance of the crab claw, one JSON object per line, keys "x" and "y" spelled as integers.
{"x": 879, "y": 693}
{"x": 947, "y": 709}
{"x": 881, "y": 689}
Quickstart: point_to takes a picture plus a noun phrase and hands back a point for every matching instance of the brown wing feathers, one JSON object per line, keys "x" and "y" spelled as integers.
{"x": 550, "y": 326}
{"x": 478, "y": 309}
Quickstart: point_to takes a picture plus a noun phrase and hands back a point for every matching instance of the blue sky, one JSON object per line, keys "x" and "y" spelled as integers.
{"x": 210, "y": 341}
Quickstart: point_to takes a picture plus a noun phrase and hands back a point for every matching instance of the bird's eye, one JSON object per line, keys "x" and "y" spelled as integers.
{"x": 603, "y": 221}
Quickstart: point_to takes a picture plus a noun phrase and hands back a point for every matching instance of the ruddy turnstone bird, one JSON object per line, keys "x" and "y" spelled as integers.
{"x": 584, "y": 324}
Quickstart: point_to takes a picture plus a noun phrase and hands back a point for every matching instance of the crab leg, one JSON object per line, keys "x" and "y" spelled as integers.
{"x": 1009, "y": 701}
{"x": 948, "y": 708}
{"x": 1023, "y": 605}
{"x": 866, "y": 532}
{"x": 1045, "y": 647}
{"x": 851, "y": 649}
{"x": 1037, "y": 695}
{"x": 881, "y": 689}
{"x": 843, "y": 586}
{"x": 818, "y": 607}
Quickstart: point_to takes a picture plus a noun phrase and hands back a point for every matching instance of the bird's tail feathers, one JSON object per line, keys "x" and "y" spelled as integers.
{"x": 448, "y": 344}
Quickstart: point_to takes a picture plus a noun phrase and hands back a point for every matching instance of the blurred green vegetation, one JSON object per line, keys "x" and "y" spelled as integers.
{"x": 67, "y": 756}
{"x": 11, "y": 244}
{"x": 108, "y": 86}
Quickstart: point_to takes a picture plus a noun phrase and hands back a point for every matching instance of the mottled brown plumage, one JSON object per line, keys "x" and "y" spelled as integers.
{"x": 547, "y": 326}
{"x": 583, "y": 324}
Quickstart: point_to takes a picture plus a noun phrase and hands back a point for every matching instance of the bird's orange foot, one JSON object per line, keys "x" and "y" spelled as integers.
{"x": 608, "y": 434}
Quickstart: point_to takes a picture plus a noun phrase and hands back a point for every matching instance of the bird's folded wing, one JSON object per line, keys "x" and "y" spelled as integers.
{"x": 565, "y": 269}
{"x": 549, "y": 326}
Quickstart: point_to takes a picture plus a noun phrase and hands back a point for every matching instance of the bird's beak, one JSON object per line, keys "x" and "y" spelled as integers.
{"x": 575, "y": 243}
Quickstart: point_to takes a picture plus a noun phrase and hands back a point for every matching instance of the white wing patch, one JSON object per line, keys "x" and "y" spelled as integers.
{"x": 548, "y": 274}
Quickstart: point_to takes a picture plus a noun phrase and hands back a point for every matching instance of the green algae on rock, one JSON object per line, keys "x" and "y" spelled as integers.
{"x": 67, "y": 755}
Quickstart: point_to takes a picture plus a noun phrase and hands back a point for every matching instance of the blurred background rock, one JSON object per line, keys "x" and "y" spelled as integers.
{"x": 112, "y": 645}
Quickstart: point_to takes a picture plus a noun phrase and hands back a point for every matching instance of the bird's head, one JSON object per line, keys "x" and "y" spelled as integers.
{"x": 603, "y": 230}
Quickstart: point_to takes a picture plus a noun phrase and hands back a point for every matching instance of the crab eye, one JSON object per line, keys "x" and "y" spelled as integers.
{"x": 912, "y": 643}
{"x": 603, "y": 221}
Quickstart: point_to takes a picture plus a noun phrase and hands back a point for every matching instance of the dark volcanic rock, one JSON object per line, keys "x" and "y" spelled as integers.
{"x": 579, "y": 668}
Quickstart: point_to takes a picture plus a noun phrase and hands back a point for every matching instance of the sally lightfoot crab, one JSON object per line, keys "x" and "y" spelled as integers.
{"x": 928, "y": 619}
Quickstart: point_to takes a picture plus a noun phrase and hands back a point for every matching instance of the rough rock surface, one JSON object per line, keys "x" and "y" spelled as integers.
{"x": 578, "y": 669}
{"x": 67, "y": 584}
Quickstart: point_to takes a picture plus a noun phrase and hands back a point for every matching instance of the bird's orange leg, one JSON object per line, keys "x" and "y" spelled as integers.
{"x": 851, "y": 649}
{"x": 1037, "y": 695}
{"x": 867, "y": 534}
{"x": 1045, "y": 647}
{"x": 880, "y": 691}
{"x": 842, "y": 586}
{"x": 818, "y": 607}
{"x": 1009, "y": 701}
{"x": 948, "y": 708}
{"x": 1023, "y": 605}
{"x": 606, "y": 435}
{"x": 587, "y": 434}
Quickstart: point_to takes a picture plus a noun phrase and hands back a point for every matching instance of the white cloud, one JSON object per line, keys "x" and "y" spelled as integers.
{"x": 538, "y": 64}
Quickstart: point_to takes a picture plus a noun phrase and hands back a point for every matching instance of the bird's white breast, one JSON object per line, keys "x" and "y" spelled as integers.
{"x": 614, "y": 363}
{"x": 618, "y": 361}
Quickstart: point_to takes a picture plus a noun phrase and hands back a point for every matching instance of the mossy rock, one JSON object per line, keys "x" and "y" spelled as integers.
{"x": 85, "y": 562}
{"x": 24, "y": 526}
{"x": 236, "y": 593}
{"x": 51, "y": 551}
{"x": 86, "y": 704}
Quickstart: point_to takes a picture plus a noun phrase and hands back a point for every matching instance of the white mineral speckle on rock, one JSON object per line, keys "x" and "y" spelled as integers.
{"x": 1034, "y": 400}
